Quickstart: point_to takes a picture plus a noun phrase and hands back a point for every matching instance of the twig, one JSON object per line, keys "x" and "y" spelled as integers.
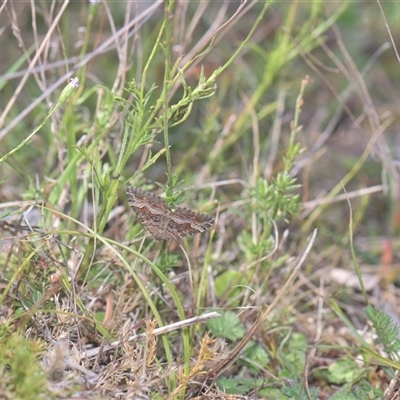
{"x": 159, "y": 331}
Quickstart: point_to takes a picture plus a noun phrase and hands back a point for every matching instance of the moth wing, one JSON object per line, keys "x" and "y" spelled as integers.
{"x": 184, "y": 222}
{"x": 151, "y": 211}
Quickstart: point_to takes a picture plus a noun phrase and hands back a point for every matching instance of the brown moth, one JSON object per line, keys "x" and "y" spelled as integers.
{"x": 162, "y": 223}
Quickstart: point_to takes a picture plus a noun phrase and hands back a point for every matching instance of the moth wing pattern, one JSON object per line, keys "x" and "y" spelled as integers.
{"x": 151, "y": 211}
{"x": 163, "y": 224}
{"x": 185, "y": 222}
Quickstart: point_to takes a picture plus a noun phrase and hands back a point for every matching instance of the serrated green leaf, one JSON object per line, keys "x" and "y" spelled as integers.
{"x": 240, "y": 385}
{"x": 228, "y": 326}
{"x": 343, "y": 371}
{"x": 254, "y": 357}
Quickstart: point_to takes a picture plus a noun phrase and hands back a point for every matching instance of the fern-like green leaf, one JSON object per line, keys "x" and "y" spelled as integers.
{"x": 386, "y": 329}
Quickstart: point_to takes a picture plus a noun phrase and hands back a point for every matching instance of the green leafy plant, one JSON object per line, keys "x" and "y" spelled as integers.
{"x": 202, "y": 103}
{"x": 20, "y": 367}
{"x": 360, "y": 390}
{"x": 298, "y": 391}
{"x": 241, "y": 385}
{"x": 386, "y": 329}
{"x": 344, "y": 370}
{"x": 227, "y": 326}
{"x": 254, "y": 357}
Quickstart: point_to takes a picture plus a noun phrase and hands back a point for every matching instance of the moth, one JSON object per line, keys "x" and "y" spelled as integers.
{"x": 162, "y": 223}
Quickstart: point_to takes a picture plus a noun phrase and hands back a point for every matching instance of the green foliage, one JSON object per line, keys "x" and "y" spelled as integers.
{"x": 272, "y": 201}
{"x": 345, "y": 396}
{"x": 342, "y": 371}
{"x": 253, "y": 248}
{"x": 74, "y": 166}
{"x": 254, "y": 357}
{"x": 240, "y": 385}
{"x": 386, "y": 329}
{"x": 20, "y": 366}
{"x": 167, "y": 262}
{"x": 277, "y": 196}
{"x": 65, "y": 94}
{"x": 230, "y": 283}
{"x": 293, "y": 356}
{"x": 173, "y": 192}
{"x": 361, "y": 390}
{"x": 228, "y": 326}
{"x": 298, "y": 392}
{"x": 5, "y": 332}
